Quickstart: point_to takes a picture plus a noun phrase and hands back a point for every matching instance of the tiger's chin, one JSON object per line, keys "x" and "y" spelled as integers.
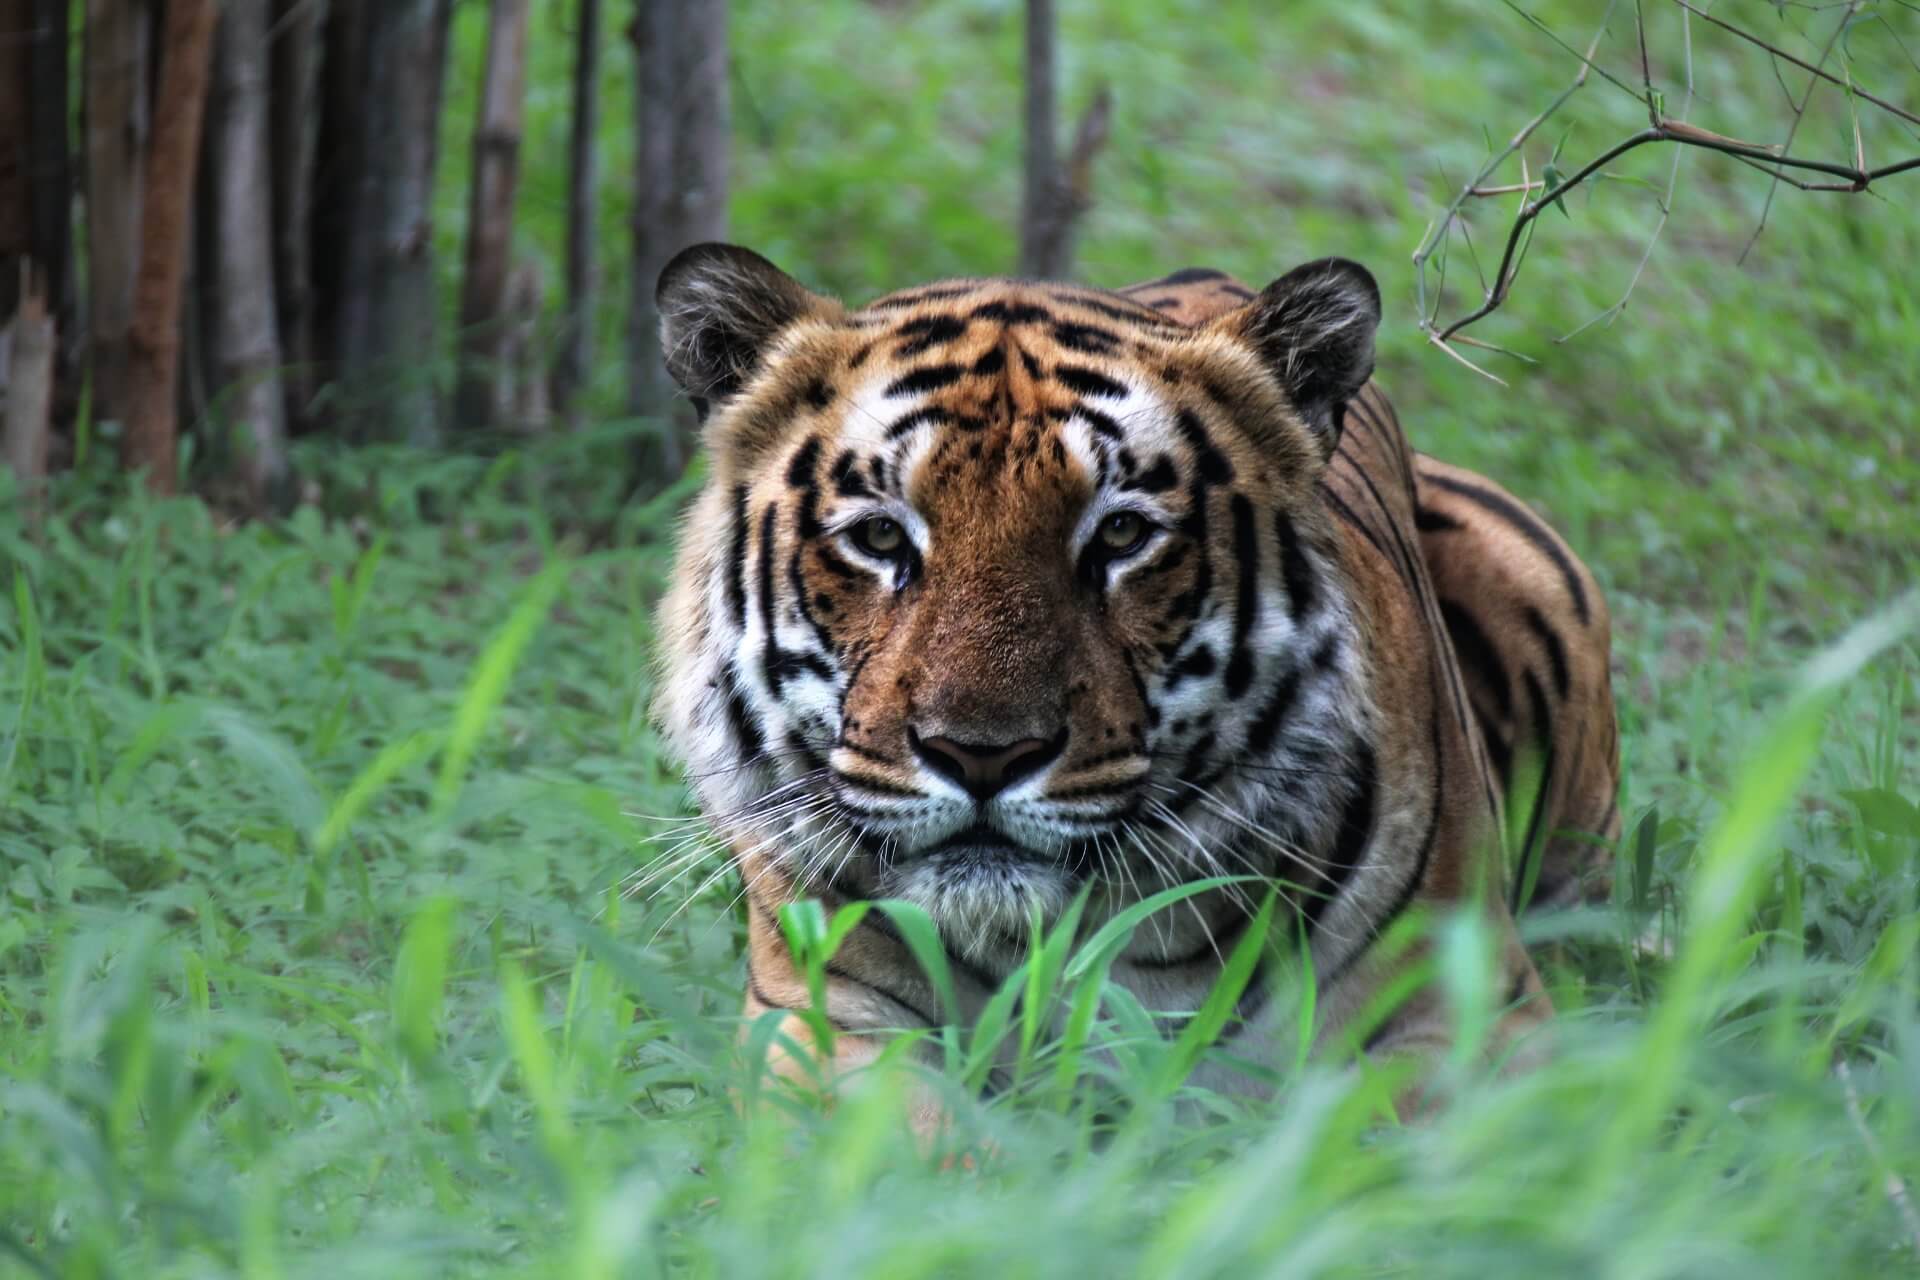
{"x": 983, "y": 896}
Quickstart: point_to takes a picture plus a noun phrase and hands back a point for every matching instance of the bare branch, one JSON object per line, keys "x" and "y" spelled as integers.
{"x": 1806, "y": 173}
{"x": 1439, "y": 234}
{"x": 1882, "y": 103}
{"x": 1799, "y": 114}
{"x": 1896, "y": 1186}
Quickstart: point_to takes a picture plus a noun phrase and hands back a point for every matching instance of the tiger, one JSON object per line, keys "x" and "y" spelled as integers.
{"x": 999, "y": 592}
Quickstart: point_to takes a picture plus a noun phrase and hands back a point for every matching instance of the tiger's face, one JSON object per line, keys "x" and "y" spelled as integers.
{"x": 999, "y": 588}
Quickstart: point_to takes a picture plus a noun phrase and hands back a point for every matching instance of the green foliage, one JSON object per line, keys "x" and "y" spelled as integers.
{"x": 314, "y": 956}
{"x": 283, "y": 993}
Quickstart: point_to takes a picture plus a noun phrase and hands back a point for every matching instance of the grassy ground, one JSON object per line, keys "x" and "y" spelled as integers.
{"x": 313, "y": 956}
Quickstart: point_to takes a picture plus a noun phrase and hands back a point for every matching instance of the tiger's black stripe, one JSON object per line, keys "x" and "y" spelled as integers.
{"x": 1090, "y": 382}
{"x": 1528, "y": 526}
{"x": 1531, "y": 846}
{"x": 1422, "y": 589}
{"x": 1350, "y": 845}
{"x": 1279, "y": 705}
{"x": 1296, "y": 571}
{"x": 1353, "y": 519}
{"x": 1410, "y": 887}
{"x": 1479, "y": 654}
{"x": 1246, "y": 549}
{"x": 737, "y": 561}
{"x": 926, "y": 332}
{"x": 1556, "y": 651}
{"x": 753, "y": 742}
{"x": 930, "y": 377}
{"x": 770, "y": 664}
{"x": 800, "y": 475}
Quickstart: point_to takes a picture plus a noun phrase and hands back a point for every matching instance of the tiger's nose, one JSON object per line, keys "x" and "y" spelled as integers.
{"x": 986, "y": 769}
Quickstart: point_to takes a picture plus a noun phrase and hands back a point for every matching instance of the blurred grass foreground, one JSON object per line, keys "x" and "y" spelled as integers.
{"x": 316, "y": 955}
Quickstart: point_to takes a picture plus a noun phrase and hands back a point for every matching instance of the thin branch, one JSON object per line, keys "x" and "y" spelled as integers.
{"x": 1882, "y": 103}
{"x": 1799, "y": 114}
{"x": 1776, "y": 161}
{"x": 1669, "y": 131}
{"x": 1646, "y": 66}
{"x": 1437, "y": 341}
{"x": 1443, "y": 231}
{"x": 1896, "y": 1186}
{"x": 1609, "y": 314}
{"x": 1521, "y": 356}
{"x": 1586, "y": 58}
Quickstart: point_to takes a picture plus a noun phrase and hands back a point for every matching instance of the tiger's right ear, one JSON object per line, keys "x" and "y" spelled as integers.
{"x": 720, "y": 307}
{"x": 1315, "y": 328}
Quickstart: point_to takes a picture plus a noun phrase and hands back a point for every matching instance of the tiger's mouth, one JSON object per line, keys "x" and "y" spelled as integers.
{"x": 982, "y": 848}
{"x": 983, "y": 842}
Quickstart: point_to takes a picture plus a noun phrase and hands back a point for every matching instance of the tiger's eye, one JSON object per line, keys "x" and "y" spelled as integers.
{"x": 1122, "y": 531}
{"x": 880, "y": 536}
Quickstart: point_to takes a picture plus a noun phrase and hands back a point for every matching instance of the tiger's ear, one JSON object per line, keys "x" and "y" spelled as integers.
{"x": 720, "y": 307}
{"x": 1314, "y": 326}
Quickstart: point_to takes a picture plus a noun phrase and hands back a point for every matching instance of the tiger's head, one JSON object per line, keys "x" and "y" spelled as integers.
{"x": 1000, "y": 587}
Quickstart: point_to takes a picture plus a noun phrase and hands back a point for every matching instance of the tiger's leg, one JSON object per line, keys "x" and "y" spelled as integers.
{"x": 1531, "y": 631}
{"x": 859, "y": 1006}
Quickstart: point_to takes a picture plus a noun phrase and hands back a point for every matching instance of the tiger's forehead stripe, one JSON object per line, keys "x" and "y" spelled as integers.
{"x": 931, "y": 360}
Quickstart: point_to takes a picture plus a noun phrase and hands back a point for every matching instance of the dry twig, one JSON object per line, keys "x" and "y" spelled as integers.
{"x": 1852, "y": 175}
{"x": 1896, "y": 1186}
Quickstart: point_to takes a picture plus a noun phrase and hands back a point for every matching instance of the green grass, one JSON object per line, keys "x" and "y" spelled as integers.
{"x": 313, "y": 953}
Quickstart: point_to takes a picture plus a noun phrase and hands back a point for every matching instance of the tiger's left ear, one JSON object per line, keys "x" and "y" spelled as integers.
{"x": 1314, "y": 327}
{"x": 721, "y": 308}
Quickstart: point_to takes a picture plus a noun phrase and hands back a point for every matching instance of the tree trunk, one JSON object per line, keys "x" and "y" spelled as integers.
{"x": 50, "y": 187}
{"x": 27, "y": 349}
{"x": 186, "y": 51}
{"x": 119, "y": 41}
{"x": 16, "y": 214}
{"x": 573, "y": 365}
{"x": 496, "y": 177}
{"x": 294, "y": 104}
{"x": 1055, "y": 196}
{"x": 705, "y": 136}
{"x": 338, "y": 278}
{"x": 1039, "y": 231}
{"x": 680, "y": 199}
{"x": 392, "y": 233}
{"x": 244, "y": 328}
{"x": 648, "y": 385}
{"x": 521, "y": 399}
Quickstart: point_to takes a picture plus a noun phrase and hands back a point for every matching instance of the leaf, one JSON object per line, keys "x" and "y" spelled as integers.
{"x": 1221, "y": 1002}
{"x": 274, "y": 761}
{"x": 350, "y": 595}
{"x": 1106, "y": 943}
{"x": 990, "y": 1028}
{"x": 922, "y": 937}
{"x": 488, "y": 685}
{"x": 1644, "y": 836}
{"x": 527, "y": 1039}
{"x": 1885, "y": 812}
{"x": 1554, "y": 179}
{"x": 1726, "y": 878}
{"x": 393, "y": 760}
{"x": 419, "y": 984}
{"x": 1049, "y": 957}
